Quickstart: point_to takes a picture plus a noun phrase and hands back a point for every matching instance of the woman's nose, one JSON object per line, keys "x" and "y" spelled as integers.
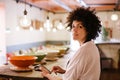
{"x": 75, "y": 28}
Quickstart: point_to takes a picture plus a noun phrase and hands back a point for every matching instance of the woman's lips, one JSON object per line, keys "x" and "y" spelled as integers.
{"x": 75, "y": 34}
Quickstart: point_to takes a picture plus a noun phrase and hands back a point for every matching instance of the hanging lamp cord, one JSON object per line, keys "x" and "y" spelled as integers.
{"x": 25, "y": 11}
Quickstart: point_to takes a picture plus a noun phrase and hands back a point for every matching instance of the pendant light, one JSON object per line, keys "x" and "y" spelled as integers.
{"x": 48, "y": 24}
{"x": 114, "y": 16}
{"x": 24, "y": 21}
{"x": 60, "y": 25}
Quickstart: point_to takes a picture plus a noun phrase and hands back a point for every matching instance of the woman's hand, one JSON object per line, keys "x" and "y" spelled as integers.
{"x": 58, "y": 69}
{"x": 45, "y": 71}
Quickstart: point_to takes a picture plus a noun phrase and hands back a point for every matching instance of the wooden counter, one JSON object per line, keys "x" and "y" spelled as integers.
{"x": 6, "y": 72}
{"x": 110, "y": 50}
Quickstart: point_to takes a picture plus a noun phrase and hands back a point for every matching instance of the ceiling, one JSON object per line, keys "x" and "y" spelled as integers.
{"x": 61, "y": 6}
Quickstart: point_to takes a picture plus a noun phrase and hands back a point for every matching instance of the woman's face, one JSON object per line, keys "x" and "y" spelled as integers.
{"x": 78, "y": 31}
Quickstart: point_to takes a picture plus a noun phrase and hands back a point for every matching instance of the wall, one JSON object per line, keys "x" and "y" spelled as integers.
{"x": 61, "y": 35}
{"x": 2, "y": 34}
{"x": 25, "y": 38}
{"x": 15, "y": 37}
{"x": 106, "y": 17}
{"x": 15, "y": 10}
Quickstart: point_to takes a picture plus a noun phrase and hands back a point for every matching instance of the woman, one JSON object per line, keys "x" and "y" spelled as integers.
{"x": 85, "y": 63}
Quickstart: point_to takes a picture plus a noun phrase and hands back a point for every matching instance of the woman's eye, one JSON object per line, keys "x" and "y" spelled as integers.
{"x": 77, "y": 27}
{"x": 80, "y": 26}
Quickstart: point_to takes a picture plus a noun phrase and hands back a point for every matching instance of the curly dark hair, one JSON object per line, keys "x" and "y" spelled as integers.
{"x": 89, "y": 20}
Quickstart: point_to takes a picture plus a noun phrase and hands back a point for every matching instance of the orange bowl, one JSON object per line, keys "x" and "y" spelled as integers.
{"x": 22, "y": 61}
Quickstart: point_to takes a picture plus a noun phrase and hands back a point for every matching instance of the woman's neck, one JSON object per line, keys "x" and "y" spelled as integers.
{"x": 81, "y": 42}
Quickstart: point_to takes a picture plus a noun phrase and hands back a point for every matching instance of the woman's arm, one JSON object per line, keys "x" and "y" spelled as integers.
{"x": 50, "y": 77}
{"x": 58, "y": 69}
{"x": 46, "y": 73}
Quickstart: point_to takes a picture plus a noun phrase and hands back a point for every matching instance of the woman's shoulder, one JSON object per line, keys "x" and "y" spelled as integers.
{"x": 88, "y": 45}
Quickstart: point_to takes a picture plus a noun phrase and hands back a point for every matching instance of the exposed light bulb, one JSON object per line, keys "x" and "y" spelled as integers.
{"x": 48, "y": 29}
{"x": 60, "y": 26}
{"x": 41, "y": 29}
{"x": 31, "y": 29}
{"x": 114, "y": 17}
{"x": 25, "y": 22}
{"x": 54, "y": 30}
{"x": 48, "y": 24}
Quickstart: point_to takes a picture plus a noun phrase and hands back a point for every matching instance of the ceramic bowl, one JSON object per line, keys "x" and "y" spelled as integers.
{"x": 22, "y": 61}
{"x": 40, "y": 55}
{"x": 39, "y": 58}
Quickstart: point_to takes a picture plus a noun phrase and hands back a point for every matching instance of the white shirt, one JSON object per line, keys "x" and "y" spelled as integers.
{"x": 85, "y": 64}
